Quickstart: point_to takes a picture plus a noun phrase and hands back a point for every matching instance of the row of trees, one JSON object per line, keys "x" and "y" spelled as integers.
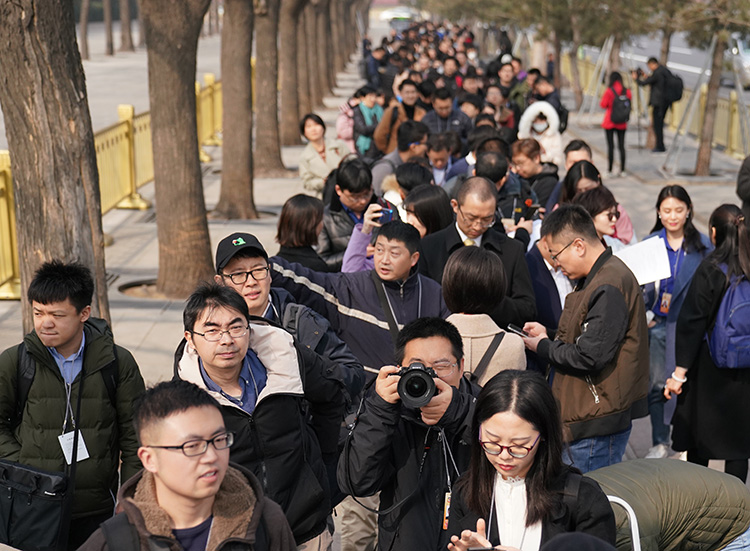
{"x": 576, "y": 22}
{"x": 48, "y": 125}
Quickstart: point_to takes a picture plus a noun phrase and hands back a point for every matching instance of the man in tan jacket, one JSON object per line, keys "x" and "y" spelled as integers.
{"x": 399, "y": 111}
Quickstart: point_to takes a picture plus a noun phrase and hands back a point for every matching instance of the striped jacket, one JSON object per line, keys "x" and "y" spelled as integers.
{"x": 350, "y": 303}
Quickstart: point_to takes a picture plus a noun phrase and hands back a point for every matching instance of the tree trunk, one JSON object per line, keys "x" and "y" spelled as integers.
{"x": 126, "y": 32}
{"x": 236, "y": 197}
{"x": 666, "y": 39}
{"x": 172, "y": 29}
{"x": 614, "y": 57}
{"x": 703, "y": 162}
{"x": 290, "y": 88}
{"x": 215, "y": 14}
{"x": 267, "y": 142}
{"x": 141, "y": 32}
{"x": 109, "y": 48}
{"x": 577, "y": 41}
{"x": 323, "y": 28}
{"x": 84, "y": 29}
{"x": 337, "y": 38}
{"x": 48, "y": 126}
{"x": 304, "y": 92}
{"x": 313, "y": 74}
{"x": 558, "y": 56}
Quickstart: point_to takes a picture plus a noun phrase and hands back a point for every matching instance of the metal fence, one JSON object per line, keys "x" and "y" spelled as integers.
{"x": 125, "y": 162}
{"x": 727, "y": 132}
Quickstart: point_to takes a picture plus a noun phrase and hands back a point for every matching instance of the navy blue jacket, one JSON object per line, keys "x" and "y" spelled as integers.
{"x": 548, "y": 308}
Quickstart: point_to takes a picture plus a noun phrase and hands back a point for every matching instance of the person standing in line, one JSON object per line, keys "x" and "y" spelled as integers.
{"x": 712, "y": 419}
{"x": 658, "y": 101}
{"x": 686, "y": 248}
{"x": 320, "y": 156}
{"x": 611, "y": 127}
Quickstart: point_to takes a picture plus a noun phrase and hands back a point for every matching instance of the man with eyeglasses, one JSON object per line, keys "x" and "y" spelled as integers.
{"x": 599, "y": 352}
{"x": 268, "y": 386}
{"x": 413, "y": 457}
{"x": 474, "y": 205}
{"x": 188, "y": 496}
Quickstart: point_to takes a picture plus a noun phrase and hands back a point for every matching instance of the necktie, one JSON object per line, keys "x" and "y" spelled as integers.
{"x": 469, "y": 242}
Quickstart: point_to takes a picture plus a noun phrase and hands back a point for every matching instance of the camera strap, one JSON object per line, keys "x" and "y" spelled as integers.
{"x": 485, "y": 361}
{"x": 380, "y": 289}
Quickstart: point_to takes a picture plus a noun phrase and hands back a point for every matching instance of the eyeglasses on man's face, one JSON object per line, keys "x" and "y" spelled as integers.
{"x": 555, "y": 256}
{"x": 193, "y": 448}
{"x": 239, "y": 278}
{"x": 484, "y": 222}
{"x": 215, "y": 335}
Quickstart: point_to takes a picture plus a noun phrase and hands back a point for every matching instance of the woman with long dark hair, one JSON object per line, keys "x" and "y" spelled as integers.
{"x": 712, "y": 419}
{"x": 615, "y": 90}
{"x": 514, "y": 493}
{"x": 686, "y": 248}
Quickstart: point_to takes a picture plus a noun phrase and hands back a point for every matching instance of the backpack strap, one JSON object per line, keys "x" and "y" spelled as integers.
{"x": 110, "y": 374}
{"x": 570, "y": 495}
{"x": 120, "y": 534}
{"x": 392, "y": 325}
{"x": 26, "y": 367}
{"x": 487, "y": 356}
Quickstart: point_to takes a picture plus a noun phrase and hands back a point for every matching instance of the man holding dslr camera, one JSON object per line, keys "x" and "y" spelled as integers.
{"x": 411, "y": 439}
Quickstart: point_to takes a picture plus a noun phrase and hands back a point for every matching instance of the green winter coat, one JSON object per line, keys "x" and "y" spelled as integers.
{"x": 679, "y": 506}
{"x": 107, "y": 431}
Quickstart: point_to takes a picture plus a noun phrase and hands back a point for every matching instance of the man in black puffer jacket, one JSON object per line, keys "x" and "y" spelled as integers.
{"x": 267, "y": 385}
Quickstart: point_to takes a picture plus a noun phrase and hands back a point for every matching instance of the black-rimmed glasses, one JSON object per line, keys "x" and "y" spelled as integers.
{"x": 238, "y": 278}
{"x": 193, "y": 448}
{"x": 519, "y": 452}
{"x": 556, "y": 255}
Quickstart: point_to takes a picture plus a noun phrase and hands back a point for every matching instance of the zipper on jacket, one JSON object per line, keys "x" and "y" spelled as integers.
{"x": 592, "y": 388}
{"x": 264, "y": 473}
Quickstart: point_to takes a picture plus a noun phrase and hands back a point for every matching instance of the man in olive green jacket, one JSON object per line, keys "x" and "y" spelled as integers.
{"x": 66, "y": 346}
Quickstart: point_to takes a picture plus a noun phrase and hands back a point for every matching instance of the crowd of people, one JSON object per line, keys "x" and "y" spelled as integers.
{"x": 445, "y": 351}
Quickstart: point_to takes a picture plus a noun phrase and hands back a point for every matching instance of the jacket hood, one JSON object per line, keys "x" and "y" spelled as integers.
{"x": 276, "y": 351}
{"x": 536, "y": 108}
{"x": 237, "y": 508}
{"x": 99, "y": 342}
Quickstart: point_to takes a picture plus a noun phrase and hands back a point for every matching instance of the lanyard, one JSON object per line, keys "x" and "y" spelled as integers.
{"x": 68, "y": 407}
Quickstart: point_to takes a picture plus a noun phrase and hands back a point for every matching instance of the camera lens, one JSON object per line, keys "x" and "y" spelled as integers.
{"x": 415, "y": 387}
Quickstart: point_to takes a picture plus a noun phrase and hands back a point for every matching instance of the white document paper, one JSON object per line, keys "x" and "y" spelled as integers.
{"x": 648, "y": 260}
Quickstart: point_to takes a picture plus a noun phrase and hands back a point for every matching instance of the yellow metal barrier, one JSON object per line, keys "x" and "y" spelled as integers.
{"x": 726, "y": 126}
{"x": 125, "y": 161}
{"x": 10, "y": 275}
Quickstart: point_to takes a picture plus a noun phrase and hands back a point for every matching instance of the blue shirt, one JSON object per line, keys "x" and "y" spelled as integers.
{"x": 71, "y": 366}
{"x": 253, "y": 379}
{"x": 667, "y": 285}
{"x": 357, "y": 219}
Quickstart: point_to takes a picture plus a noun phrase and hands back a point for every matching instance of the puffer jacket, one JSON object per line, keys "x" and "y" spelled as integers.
{"x": 550, "y": 139}
{"x": 350, "y": 302}
{"x": 392, "y": 451}
{"x": 243, "y": 518}
{"x": 107, "y": 428}
{"x": 334, "y": 237}
{"x": 544, "y": 183}
{"x": 600, "y": 352}
{"x": 680, "y": 506}
{"x": 276, "y": 442}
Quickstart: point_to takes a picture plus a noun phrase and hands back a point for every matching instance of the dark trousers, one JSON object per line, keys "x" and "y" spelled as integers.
{"x": 658, "y": 113}
{"x": 735, "y": 467}
{"x": 82, "y": 528}
{"x": 611, "y": 147}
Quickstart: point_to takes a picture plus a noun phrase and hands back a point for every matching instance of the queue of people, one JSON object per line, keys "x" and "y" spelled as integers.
{"x": 445, "y": 352}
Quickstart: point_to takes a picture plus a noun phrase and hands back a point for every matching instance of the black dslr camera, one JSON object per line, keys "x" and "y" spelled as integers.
{"x": 416, "y": 386}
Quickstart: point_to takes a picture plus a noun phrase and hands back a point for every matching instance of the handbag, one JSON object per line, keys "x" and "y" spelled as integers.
{"x": 36, "y": 505}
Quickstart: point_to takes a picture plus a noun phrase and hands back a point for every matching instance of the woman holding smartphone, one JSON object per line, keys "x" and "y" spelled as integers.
{"x": 518, "y": 493}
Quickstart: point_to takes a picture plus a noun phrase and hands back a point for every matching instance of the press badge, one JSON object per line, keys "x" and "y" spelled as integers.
{"x": 446, "y": 510}
{"x": 66, "y": 443}
{"x": 666, "y": 300}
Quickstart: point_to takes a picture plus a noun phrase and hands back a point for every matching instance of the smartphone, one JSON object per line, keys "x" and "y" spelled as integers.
{"x": 531, "y": 211}
{"x": 517, "y": 330}
{"x": 386, "y": 215}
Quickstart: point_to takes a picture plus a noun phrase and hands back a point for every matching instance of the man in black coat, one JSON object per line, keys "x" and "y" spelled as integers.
{"x": 475, "y": 206}
{"x": 412, "y": 456}
{"x": 658, "y": 98}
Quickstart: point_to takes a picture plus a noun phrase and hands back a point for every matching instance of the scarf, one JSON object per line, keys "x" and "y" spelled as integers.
{"x": 371, "y": 116}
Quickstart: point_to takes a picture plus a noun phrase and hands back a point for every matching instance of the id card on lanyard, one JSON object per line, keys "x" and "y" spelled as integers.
{"x": 66, "y": 438}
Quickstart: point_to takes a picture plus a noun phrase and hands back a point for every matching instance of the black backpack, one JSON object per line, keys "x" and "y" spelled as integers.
{"x": 673, "y": 88}
{"x": 620, "y": 107}
{"x": 563, "y": 114}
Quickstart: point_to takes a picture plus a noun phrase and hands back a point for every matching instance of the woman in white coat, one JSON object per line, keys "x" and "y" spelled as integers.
{"x": 541, "y": 122}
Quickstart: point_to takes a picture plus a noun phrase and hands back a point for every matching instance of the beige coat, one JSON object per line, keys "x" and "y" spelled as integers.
{"x": 477, "y": 332}
{"x": 313, "y": 170}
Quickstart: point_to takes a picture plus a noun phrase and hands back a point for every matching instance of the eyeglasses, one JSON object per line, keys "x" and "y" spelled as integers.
{"x": 613, "y": 215}
{"x": 193, "y": 448}
{"x": 444, "y": 369}
{"x": 554, "y": 257}
{"x": 238, "y": 278}
{"x": 486, "y": 222}
{"x": 215, "y": 335}
{"x": 519, "y": 452}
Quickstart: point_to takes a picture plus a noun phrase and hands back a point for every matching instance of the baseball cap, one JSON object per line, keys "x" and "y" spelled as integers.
{"x": 234, "y": 243}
